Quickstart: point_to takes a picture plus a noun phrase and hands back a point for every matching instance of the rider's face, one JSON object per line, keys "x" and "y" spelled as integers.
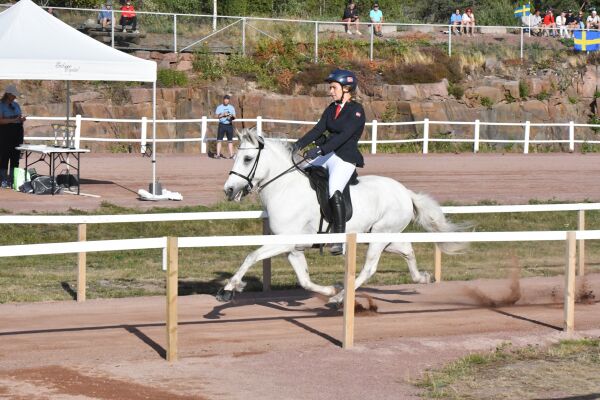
{"x": 335, "y": 91}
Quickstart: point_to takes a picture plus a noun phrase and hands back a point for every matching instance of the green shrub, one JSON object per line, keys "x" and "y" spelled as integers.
{"x": 171, "y": 78}
{"x": 486, "y": 102}
{"x": 523, "y": 90}
{"x": 206, "y": 64}
{"x": 572, "y": 100}
{"x": 456, "y": 90}
{"x": 543, "y": 96}
{"x": 596, "y": 94}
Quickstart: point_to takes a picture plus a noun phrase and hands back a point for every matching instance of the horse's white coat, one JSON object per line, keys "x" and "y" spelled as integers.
{"x": 380, "y": 205}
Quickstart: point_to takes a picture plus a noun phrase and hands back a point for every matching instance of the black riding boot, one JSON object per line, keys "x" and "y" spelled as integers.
{"x": 338, "y": 213}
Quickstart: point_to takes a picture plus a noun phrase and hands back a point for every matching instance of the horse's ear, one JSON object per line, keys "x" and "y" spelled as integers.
{"x": 238, "y": 134}
{"x": 252, "y": 136}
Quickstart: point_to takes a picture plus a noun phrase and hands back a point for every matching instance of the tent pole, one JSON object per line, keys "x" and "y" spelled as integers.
{"x": 67, "y": 141}
{"x": 154, "y": 138}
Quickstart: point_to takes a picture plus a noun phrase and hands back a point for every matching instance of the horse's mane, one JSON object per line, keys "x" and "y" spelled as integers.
{"x": 281, "y": 145}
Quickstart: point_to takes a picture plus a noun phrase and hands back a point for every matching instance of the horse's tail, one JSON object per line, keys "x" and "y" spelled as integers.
{"x": 430, "y": 216}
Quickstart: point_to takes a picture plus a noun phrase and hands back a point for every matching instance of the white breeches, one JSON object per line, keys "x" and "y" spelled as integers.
{"x": 339, "y": 170}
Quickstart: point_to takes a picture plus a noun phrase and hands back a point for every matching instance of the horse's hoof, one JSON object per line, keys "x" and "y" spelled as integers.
{"x": 224, "y": 295}
{"x": 334, "y": 305}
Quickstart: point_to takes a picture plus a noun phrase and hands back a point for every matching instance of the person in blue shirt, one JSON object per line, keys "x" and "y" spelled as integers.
{"x": 105, "y": 15}
{"x": 456, "y": 22}
{"x": 226, "y": 114}
{"x": 11, "y": 134}
{"x": 376, "y": 18}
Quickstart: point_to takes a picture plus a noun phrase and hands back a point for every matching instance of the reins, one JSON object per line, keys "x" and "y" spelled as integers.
{"x": 248, "y": 178}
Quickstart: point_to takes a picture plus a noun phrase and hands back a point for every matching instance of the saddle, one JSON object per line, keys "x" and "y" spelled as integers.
{"x": 319, "y": 178}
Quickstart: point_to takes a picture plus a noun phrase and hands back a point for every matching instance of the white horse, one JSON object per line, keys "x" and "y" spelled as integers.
{"x": 380, "y": 205}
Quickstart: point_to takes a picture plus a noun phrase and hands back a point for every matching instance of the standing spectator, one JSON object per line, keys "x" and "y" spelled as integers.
{"x": 11, "y": 135}
{"x": 376, "y": 18}
{"x": 456, "y": 22}
{"x": 128, "y": 17}
{"x": 226, "y": 114}
{"x": 468, "y": 21}
{"x": 105, "y": 15}
{"x": 561, "y": 24}
{"x": 549, "y": 24}
{"x": 593, "y": 21}
{"x": 351, "y": 15}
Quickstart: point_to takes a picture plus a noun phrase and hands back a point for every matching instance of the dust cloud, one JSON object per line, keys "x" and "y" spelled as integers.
{"x": 488, "y": 298}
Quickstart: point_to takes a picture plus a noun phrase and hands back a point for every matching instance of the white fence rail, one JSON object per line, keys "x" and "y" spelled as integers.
{"x": 426, "y": 139}
{"x": 171, "y": 245}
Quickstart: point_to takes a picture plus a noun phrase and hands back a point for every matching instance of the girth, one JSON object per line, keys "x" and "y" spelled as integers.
{"x": 319, "y": 181}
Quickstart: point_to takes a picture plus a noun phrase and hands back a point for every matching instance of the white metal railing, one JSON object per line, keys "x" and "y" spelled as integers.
{"x": 425, "y": 140}
{"x": 246, "y": 21}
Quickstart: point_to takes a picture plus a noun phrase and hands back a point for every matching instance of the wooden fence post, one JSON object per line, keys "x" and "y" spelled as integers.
{"x": 569, "y": 307}
{"x": 81, "y": 264}
{"x": 172, "y": 278}
{"x": 437, "y": 263}
{"x": 349, "y": 292}
{"x": 267, "y": 261}
{"x": 581, "y": 243}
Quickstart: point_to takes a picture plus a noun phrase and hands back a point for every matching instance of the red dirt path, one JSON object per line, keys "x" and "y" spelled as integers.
{"x": 461, "y": 178}
{"x": 285, "y": 345}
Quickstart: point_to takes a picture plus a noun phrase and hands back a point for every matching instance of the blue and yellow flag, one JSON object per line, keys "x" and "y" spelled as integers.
{"x": 523, "y": 11}
{"x": 587, "y": 40}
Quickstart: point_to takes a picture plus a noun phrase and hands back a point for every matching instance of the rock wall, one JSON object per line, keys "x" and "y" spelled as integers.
{"x": 577, "y": 102}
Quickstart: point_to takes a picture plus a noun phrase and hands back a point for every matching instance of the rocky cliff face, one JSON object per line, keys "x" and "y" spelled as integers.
{"x": 550, "y": 98}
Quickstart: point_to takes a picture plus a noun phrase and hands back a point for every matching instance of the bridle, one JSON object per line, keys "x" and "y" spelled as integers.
{"x": 248, "y": 178}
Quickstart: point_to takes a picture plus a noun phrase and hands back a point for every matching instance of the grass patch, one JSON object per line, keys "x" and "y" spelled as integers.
{"x": 564, "y": 370}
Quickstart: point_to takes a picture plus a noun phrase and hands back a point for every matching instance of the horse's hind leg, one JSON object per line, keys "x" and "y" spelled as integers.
{"x": 371, "y": 260}
{"x": 236, "y": 283}
{"x": 298, "y": 261}
{"x": 406, "y": 251}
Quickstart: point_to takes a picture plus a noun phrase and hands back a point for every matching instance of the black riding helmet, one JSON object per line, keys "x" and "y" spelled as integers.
{"x": 343, "y": 77}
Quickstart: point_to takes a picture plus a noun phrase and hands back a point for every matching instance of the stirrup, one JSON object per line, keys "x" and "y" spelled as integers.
{"x": 336, "y": 249}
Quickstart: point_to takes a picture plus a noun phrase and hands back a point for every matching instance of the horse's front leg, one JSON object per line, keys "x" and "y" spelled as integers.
{"x": 236, "y": 283}
{"x": 298, "y": 261}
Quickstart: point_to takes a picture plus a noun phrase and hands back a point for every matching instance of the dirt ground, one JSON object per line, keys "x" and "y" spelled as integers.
{"x": 286, "y": 345}
{"x": 460, "y": 178}
{"x": 279, "y": 345}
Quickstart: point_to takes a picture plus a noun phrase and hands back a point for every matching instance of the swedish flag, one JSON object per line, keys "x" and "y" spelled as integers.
{"x": 523, "y": 11}
{"x": 587, "y": 40}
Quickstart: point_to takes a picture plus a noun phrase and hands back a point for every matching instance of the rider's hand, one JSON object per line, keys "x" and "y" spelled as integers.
{"x": 313, "y": 153}
{"x": 295, "y": 147}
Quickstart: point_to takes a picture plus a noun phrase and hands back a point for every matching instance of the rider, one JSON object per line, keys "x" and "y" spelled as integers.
{"x": 344, "y": 119}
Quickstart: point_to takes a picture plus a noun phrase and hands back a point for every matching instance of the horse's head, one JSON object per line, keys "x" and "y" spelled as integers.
{"x": 246, "y": 171}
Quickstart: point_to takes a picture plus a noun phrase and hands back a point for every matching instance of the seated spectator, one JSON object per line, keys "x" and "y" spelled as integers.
{"x": 580, "y": 20}
{"x": 351, "y": 15}
{"x": 593, "y": 21}
{"x": 561, "y": 24}
{"x": 456, "y": 22}
{"x": 468, "y": 21}
{"x": 534, "y": 22}
{"x": 549, "y": 24}
{"x": 376, "y": 18}
{"x": 52, "y": 12}
{"x": 105, "y": 16}
{"x": 128, "y": 17}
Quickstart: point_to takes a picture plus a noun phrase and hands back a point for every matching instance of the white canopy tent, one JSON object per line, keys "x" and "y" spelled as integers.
{"x": 37, "y": 46}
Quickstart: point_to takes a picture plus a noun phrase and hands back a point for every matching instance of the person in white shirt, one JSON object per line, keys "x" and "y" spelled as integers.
{"x": 593, "y": 21}
{"x": 468, "y": 21}
{"x": 533, "y": 21}
{"x": 561, "y": 24}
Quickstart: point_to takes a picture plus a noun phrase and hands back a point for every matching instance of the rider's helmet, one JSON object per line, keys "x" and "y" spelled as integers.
{"x": 343, "y": 77}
